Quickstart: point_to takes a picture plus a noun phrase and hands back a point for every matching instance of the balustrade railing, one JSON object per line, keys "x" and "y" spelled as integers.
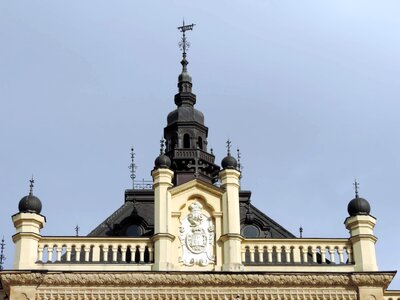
{"x": 75, "y": 250}
{"x": 297, "y": 251}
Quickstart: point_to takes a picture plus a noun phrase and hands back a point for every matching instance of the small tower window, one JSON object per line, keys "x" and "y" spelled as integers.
{"x": 186, "y": 141}
{"x": 200, "y": 143}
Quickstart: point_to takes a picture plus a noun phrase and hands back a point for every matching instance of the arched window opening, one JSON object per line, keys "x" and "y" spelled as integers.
{"x": 186, "y": 141}
{"x": 200, "y": 143}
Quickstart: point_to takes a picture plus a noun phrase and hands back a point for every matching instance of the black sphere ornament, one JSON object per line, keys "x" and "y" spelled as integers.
{"x": 358, "y": 206}
{"x": 162, "y": 161}
{"x": 229, "y": 162}
{"x": 30, "y": 204}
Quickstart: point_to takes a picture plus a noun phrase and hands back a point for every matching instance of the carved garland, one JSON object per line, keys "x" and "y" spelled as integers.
{"x": 190, "y": 279}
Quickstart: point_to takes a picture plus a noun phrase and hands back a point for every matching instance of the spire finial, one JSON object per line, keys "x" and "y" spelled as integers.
{"x": 133, "y": 167}
{"x": 356, "y": 185}
{"x": 228, "y": 147}
{"x": 301, "y": 231}
{"x": 77, "y": 229}
{"x": 2, "y": 257}
{"x": 32, "y": 181}
{"x": 162, "y": 146}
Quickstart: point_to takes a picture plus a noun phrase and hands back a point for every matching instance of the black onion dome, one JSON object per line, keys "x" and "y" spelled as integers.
{"x": 185, "y": 114}
{"x": 229, "y": 162}
{"x": 162, "y": 161}
{"x": 358, "y": 206}
{"x": 31, "y": 204}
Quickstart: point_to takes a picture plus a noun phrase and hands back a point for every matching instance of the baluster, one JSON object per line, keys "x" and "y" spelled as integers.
{"x": 87, "y": 252}
{"x": 78, "y": 253}
{"x": 141, "y": 252}
{"x": 40, "y": 254}
{"x": 287, "y": 250}
{"x": 251, "y": 254}
{"x": 278, "y": 254}
{"x": 244, "y": 254}
{"x": 51, "y": 254}
{"x": 68, "y": 253}
{"x": 314, "y": 255}
{"x": 59, "y": 251}
{"x": 341, "y": 258}
{"x": 350, "y": 255}
{"x": 114, "y": 254}
{"x": 332, "y": 255}
{"x": 123, "y": 254}
{"x": 150, "y": 254}
{"x": 305, "y": 254}
{"x": 96, "y": 253}
{"x": 261, "y": 254}
{"x": 269, "y": 254}
{"x": 323, "y": 255}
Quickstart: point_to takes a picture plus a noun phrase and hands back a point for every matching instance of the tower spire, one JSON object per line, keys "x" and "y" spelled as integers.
{"x": 184, "y": 79}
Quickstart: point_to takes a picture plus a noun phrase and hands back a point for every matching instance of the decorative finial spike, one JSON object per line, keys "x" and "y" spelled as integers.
{"x": 301, "y": 231}
{"x": 228, "y": 147}
{"x": 32, "y": 181}
{"x": 2, "y": 257}
{"x": 239, "y": 166}
{"x": 162, "y": 146}
{"x": 133, "y": 167}
{"x": 77, "y": 229}
{"x": 356, "y": 186}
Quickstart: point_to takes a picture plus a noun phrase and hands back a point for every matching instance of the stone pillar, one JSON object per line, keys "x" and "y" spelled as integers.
{"x": 231, "y": 238}
{"x": 162, "y": 239}
{"x": 26, "y": 239}
{"x": 363, "y": 241}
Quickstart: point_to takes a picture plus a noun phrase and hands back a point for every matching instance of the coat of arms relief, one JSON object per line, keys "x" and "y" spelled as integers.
{"x": 197, "y": 237}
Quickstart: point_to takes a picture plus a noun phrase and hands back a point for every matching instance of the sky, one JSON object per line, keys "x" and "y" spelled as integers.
{"x": 308, "y": 90}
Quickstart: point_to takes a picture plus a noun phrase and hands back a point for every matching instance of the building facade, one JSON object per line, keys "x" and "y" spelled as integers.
{"x": 192, "y": 234}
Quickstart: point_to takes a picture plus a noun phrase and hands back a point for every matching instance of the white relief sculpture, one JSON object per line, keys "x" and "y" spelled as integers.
{"x": 197, "y": 237}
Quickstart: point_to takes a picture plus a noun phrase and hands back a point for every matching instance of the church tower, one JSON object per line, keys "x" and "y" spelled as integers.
{"x": 185, "y": 134}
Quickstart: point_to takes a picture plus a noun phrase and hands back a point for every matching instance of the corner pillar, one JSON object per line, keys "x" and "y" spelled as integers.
{"x": 162, "y": 239}
{"x": 363, "y": 241}
{"x": 26, "y": 239}
{"x": 231, "y": 238}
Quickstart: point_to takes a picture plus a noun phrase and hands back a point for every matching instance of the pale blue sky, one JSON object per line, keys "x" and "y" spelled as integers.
{"x": 309, "y": 90}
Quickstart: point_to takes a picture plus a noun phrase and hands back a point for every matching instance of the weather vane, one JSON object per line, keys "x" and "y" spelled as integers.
{"x": 356, "y": 185}
{"x": 184, "y": 44}
{"x": 228, "y": 146}
{"x": 133, "y": 167}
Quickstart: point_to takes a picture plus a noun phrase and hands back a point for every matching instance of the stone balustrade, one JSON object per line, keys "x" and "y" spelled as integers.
{"x": 95, "y": 253}
{"x": 300, "y": 251}
{"x": 78, "y": 250}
